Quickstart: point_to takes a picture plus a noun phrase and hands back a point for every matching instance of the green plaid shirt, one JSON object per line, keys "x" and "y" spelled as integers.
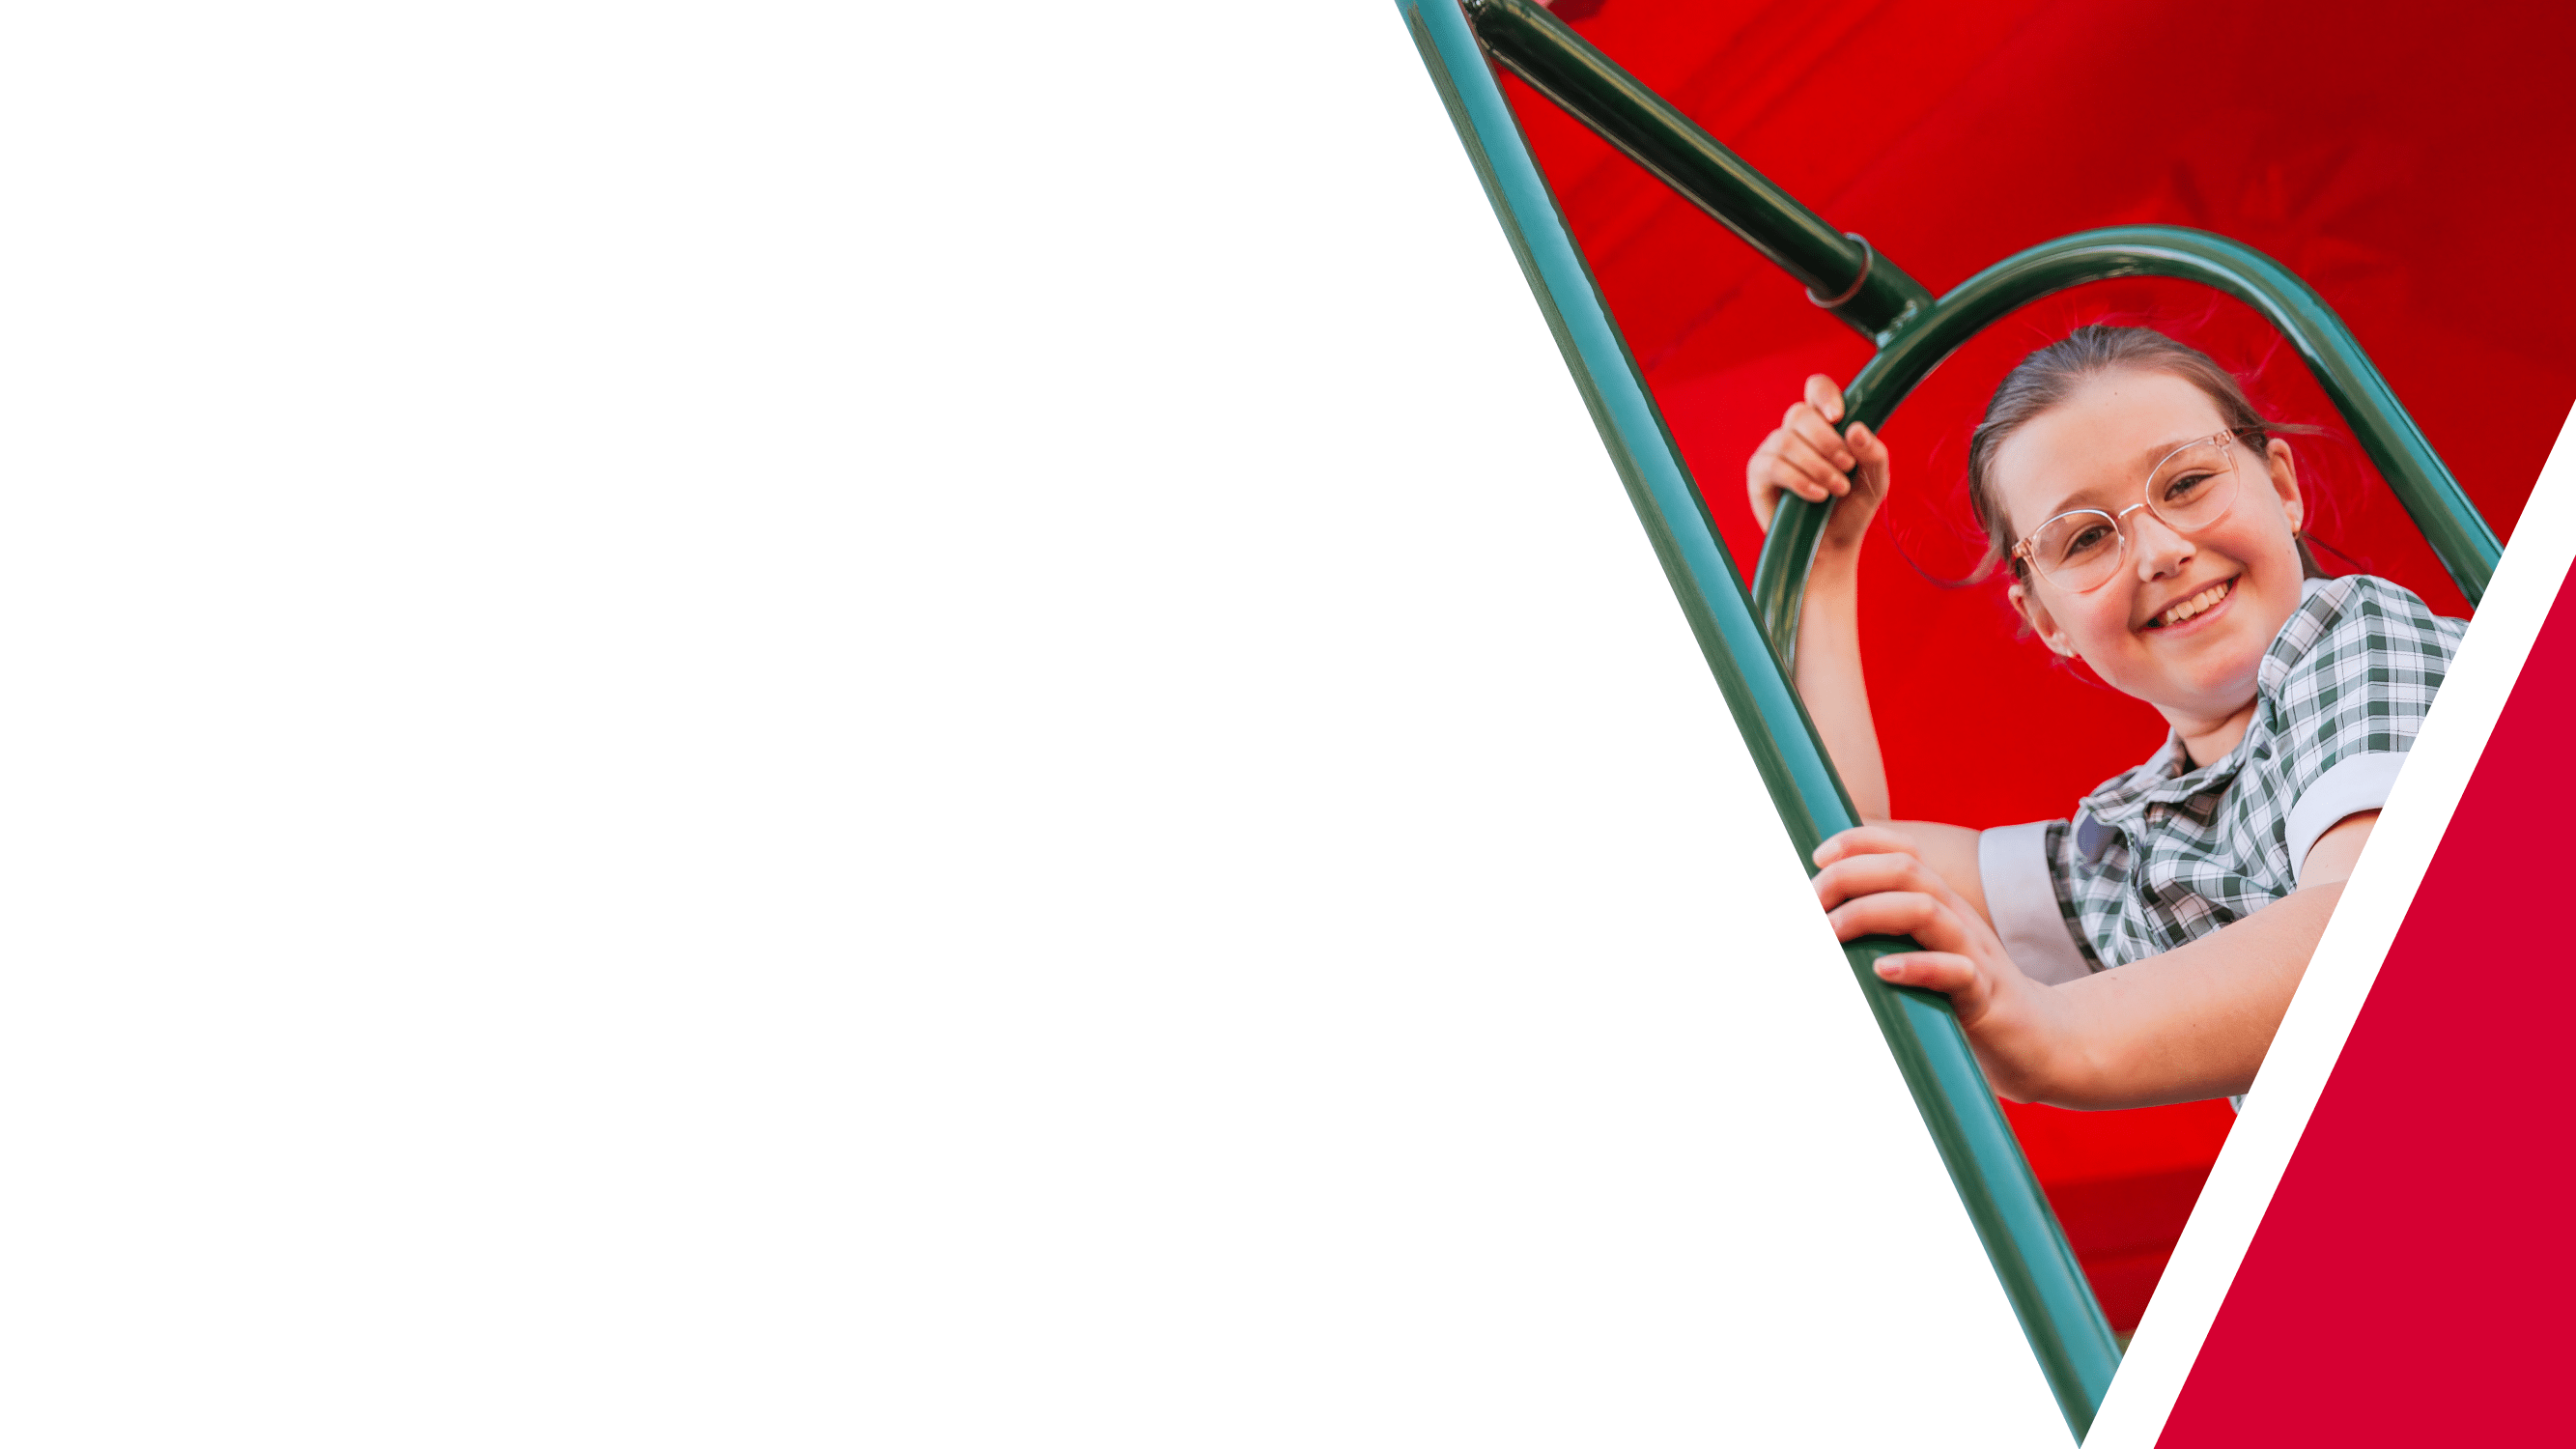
{"x": 2165, "y": 854}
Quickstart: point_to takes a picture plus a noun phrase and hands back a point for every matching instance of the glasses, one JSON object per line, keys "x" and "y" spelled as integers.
{"x": 2189, "y": 490}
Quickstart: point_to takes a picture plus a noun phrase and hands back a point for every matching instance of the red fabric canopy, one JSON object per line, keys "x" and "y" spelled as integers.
{"x": 2410, "y": 165}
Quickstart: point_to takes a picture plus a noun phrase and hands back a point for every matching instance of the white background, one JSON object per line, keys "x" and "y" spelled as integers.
{"x": 913, "y": 725}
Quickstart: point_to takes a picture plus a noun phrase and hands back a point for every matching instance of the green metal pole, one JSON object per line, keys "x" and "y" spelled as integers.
{"x": 2037, "y": 1270}
{"x": 1564, "y": 67}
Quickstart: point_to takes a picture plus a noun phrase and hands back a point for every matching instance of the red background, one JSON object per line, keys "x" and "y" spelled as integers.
{"x": 2412, "y": 166}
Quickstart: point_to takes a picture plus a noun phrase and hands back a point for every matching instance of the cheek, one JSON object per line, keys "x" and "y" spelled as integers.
{"x": 2263, "y": 539}
{"x": 2095, "y": 621}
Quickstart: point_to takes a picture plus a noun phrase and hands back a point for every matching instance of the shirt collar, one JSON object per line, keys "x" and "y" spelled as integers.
{"x": 2168, "y": 776}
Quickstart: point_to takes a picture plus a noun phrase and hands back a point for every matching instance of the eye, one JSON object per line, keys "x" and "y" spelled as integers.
{"x": 2186, "y": 487}
{"x": 2084, "y": 540}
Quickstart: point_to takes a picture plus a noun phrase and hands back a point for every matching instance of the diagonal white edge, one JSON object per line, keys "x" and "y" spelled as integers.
{"x": 2330, "y": 997}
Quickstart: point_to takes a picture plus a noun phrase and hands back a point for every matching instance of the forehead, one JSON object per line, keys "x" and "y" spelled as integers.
{"x": 2099, "y": 442}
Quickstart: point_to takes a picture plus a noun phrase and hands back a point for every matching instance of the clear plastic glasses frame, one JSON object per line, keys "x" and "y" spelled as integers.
{"x": 2189, "y": 489}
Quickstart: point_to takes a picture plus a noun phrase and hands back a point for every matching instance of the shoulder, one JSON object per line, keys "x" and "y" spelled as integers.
{"x": 2358, "y": 631}
{"x": 2347, "y": 685}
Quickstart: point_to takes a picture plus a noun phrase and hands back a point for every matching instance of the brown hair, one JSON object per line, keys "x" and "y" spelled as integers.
{"x": 2049, "y": 376}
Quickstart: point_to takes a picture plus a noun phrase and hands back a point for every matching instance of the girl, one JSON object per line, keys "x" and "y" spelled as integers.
{"x": 2150, "y": 518}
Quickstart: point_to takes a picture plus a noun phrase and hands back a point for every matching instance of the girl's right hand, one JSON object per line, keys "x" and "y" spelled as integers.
{"x": 1805, "y": 455}
{"x": 1874, "y": 882}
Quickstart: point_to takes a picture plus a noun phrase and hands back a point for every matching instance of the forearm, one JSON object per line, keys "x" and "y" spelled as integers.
{"x": 1830, "y": 681}
{"x": 2190, "y": 1024}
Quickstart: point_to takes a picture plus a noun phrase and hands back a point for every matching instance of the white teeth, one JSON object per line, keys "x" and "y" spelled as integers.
{"x": 2198, "y": 603}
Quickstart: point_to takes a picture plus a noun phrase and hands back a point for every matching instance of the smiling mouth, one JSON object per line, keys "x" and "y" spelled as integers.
{"x": 2199, "y": 603}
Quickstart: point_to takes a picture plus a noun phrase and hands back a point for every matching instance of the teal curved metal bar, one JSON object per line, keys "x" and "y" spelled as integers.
{"x": 2459, "y": 535}
{"x": 2021, "y": 1235}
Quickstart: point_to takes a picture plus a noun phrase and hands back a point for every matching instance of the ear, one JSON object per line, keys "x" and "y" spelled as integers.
{"x": 2285, "y": 482}
{"x": 2041, "y": 622}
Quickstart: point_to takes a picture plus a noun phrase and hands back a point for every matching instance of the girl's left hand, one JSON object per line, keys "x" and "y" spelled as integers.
{"x": 1873, "y": 884}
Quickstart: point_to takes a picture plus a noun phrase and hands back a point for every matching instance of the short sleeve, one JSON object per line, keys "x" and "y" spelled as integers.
{"x": 2352, "y": 785}
{"x": 2350, "y": 681}
{"x": 2025, "y": 903}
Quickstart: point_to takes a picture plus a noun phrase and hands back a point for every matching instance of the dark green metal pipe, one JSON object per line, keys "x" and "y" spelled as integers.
{"x": 1563, "y": 66}
{"x": 2459, "y": 535}
{"x": 2021, "y": 1236}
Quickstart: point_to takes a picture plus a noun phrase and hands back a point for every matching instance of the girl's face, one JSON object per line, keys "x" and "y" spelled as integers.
{"x": 2237, "y": 579}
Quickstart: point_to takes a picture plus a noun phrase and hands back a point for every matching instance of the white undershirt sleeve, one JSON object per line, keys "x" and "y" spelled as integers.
{"x": 2021, "y": 899}
{"x": 2359, "y": 783}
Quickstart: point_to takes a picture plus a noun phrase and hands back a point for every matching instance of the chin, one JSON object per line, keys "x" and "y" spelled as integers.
{"x": 2218, "y": 676}
{"x": 2219, "y": 667}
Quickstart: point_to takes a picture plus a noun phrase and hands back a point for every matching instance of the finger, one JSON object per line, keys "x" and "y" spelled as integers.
{"x": 1825, "y": 396}
{"x": 1819, "y": 435}
{"x": 1886, "y": 913}
{"x": 1919, "y": 914}
{"x": 1772, "y": 473}
{"x": 1859, "y": 876}
{"x": 1767, "y": 474}
{"x": 1812, "y": 467}
{"x": 1871, "y": 473}
{"x": 1862, "y": 875}
{"x": 1865, "y": 446}
{"x": 1863, "y": 840}
{"x": 1932, "y": 970}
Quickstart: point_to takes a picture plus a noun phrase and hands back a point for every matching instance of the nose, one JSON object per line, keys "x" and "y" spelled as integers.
{"x": 2160, "y": 552}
